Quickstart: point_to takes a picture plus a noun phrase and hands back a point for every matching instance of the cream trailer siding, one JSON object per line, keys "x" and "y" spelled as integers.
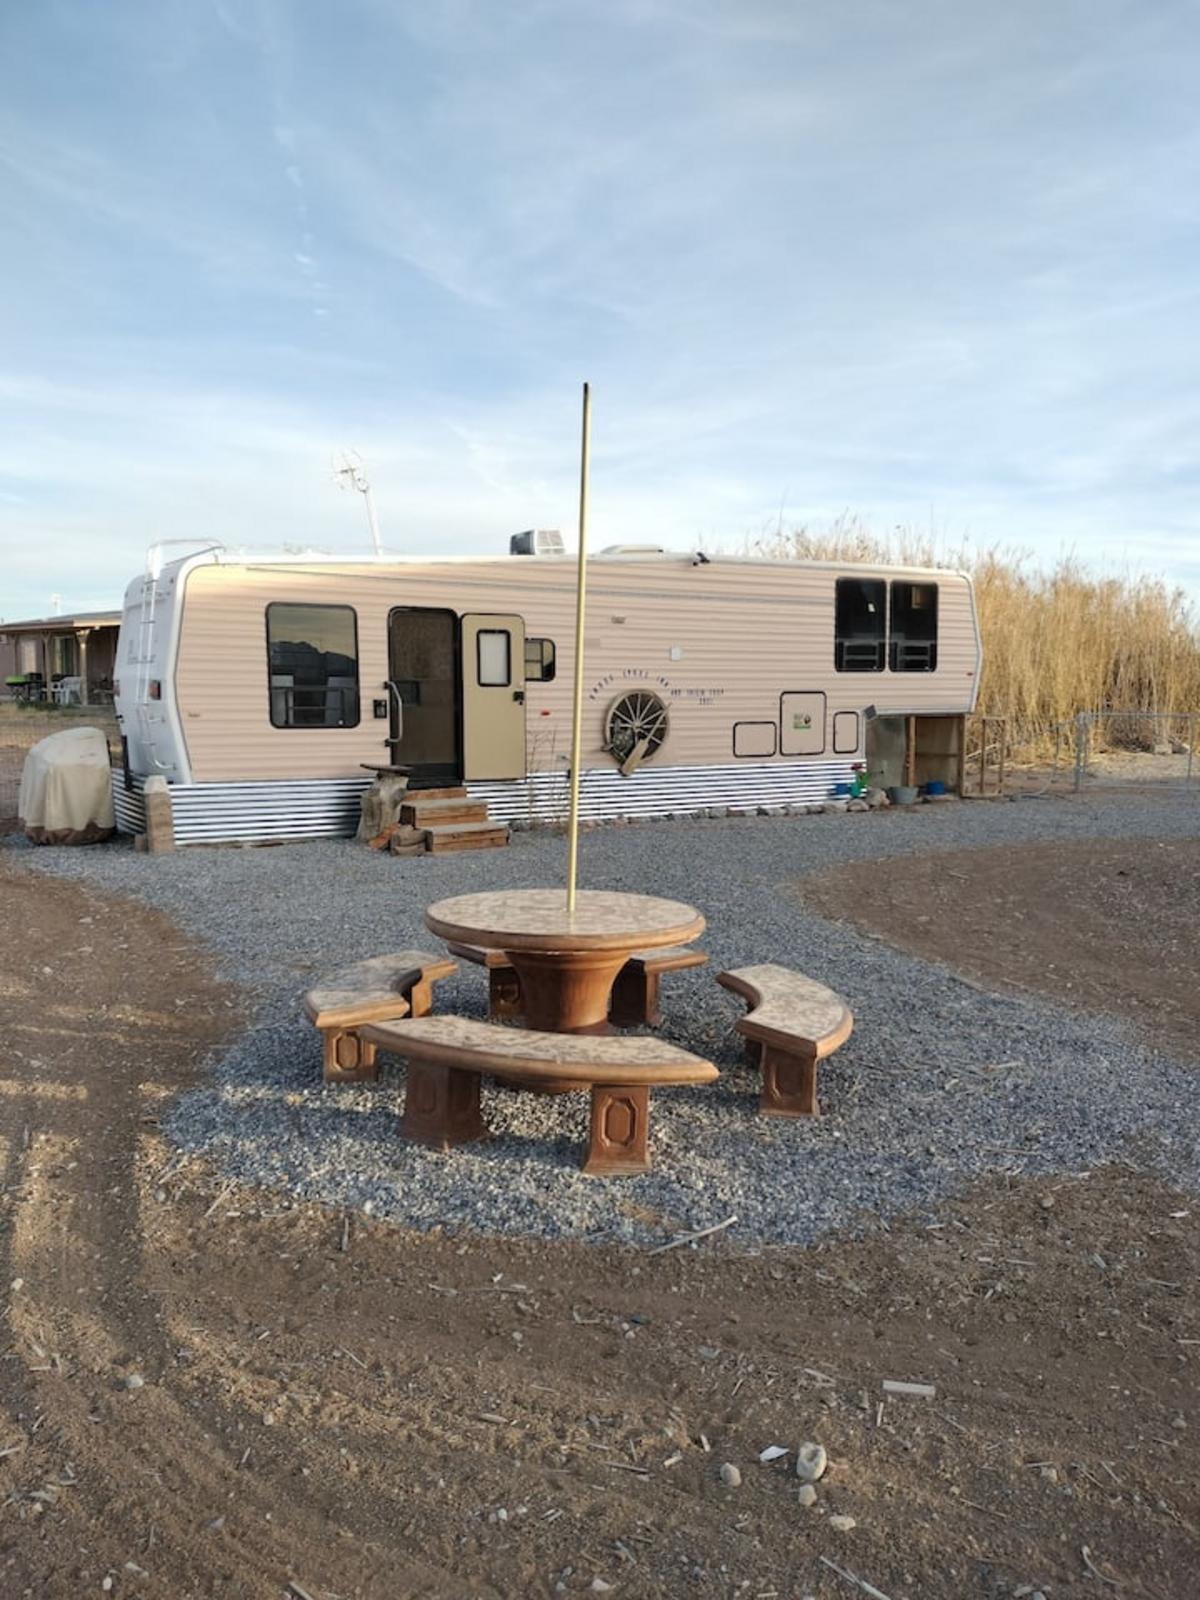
{"x": 727, "y": 644}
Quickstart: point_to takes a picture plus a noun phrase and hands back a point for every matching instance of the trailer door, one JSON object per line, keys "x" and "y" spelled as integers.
{"x": 493, "y": 696}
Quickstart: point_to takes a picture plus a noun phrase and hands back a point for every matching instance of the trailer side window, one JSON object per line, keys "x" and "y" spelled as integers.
{"x": 539, "y": 660}
{"x": 312, "y": 661}
{"x": 860, "y": 625}
{"x": 913, "y": 642}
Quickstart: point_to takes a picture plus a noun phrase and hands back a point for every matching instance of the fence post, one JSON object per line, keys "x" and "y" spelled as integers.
{"x": 1081, "y": 739}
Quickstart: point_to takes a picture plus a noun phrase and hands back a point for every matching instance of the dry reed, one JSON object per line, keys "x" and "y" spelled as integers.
{"x": 1055, "y": 642}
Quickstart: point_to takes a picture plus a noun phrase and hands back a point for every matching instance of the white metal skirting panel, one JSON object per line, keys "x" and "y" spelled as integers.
{"x": 328, "y": 808}
{"x": 661, "y": 792}
{"x": 128, "y": 805}
{"x": 218, "y": 813}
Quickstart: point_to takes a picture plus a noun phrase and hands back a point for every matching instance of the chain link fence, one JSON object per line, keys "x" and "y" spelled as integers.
{"x": 1105, "y": 748}
{"x": 20, "y": 729}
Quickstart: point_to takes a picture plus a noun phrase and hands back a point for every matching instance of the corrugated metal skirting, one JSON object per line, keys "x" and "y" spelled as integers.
{"x": 327, "y": 808}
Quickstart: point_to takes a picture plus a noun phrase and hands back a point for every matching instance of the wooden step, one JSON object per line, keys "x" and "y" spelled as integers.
{"x": 439, "y": 813}
{"x": 465, "y": 836}
{"x": 435, "y": 794}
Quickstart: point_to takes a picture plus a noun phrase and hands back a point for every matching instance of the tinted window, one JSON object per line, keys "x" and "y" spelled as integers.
{"x": 539, "y": 660}
{"x": 312, "y": 655}
{"x": 913, "y": 644}
{"x": 860, "y": 624}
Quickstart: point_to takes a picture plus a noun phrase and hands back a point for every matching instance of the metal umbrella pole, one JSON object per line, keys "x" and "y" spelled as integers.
{"x": 580, "y": 609}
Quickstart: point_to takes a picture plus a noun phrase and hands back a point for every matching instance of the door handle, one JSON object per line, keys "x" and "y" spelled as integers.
{"x": 519, "y": 696}
{"x": 393, "y": 690}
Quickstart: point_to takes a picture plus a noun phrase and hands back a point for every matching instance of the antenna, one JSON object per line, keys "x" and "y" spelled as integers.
{"x": 56, "y": 605}
{"x": 350, "y": 473}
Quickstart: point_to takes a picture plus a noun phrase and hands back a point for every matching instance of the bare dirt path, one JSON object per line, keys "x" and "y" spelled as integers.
{"x": 1109, "y": 925}
{"x": 428, "y": 1416}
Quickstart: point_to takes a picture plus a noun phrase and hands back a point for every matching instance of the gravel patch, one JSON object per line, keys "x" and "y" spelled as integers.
{"x": 940, "y": 1084}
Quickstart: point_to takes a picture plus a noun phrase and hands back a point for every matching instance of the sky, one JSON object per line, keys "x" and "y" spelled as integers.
{"x": 931, "y": 263}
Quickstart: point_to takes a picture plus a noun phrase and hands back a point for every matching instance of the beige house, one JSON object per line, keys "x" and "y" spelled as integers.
{"x": 67, "y": 658}
{"x": 262, "y": 689}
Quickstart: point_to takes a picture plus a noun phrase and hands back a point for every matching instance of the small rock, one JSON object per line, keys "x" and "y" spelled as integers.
{"x": 600, "y": 1587}
{"x": 135, "y": 1381}
{"x": 1050, "y": 1474}
{"x": 106, "y": 1584}
{"x": 811, "y": 1461}
{"x": 216, "y": 1524}
{"x": 708, "y": 1352}
{"x": 730, "y": 1476}
{"x": 842, "y": 1524}
{"x": 17, "y": 1285}
{"x": 858, "y": 805}
{"x": 807, "y": 1495}
{"x": 773, "y": 1452}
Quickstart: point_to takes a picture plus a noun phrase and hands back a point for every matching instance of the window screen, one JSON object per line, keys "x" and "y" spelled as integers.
{"x": 860, "y": 625}
{"x": 913, "y": 645}
{"x": 494, "y": 657}
{"x": 539, "y": 660}
{"x": 312, "y": 656}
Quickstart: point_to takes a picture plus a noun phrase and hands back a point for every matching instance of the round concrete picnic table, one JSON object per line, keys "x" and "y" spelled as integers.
{"x": 567, "y": 962}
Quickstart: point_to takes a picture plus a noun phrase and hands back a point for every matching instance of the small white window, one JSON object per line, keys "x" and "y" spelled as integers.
{"x": 494, "y": 658}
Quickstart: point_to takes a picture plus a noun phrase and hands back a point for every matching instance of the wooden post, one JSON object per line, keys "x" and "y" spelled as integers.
{"x": 962, "y": 757}
{"x": 82, "y": 637}
{"x": 580, "y": 612}
{"x": 910, "y": 750}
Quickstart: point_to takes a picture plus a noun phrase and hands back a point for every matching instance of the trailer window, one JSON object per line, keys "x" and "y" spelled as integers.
{"x": 913, "y": 641}
{"x": 312, "y": 661}
{"x": 860, "y": 624}
{"x": 539, "y": 660}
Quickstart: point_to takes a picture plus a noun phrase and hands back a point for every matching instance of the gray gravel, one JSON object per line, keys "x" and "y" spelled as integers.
{"x": 940, "y": 1084}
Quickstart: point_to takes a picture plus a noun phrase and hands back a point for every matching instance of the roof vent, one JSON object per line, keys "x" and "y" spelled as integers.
{"x": 537, "y": 542}
{"x": 616, "y": 551}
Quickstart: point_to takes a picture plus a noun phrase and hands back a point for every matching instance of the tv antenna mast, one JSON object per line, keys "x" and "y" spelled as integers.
{"x": 350, "y": 473}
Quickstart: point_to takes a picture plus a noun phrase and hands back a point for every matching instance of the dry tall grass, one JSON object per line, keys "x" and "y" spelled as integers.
{"x": 1055, "y": 642}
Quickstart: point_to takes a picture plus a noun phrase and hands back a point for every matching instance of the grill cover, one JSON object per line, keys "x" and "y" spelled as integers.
{"x": 66, "y": 789}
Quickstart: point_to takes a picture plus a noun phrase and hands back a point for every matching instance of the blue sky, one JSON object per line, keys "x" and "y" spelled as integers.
{"x": 931, "y": 262}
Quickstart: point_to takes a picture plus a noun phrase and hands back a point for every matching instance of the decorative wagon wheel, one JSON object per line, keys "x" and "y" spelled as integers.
{"x": 635, "y": 726}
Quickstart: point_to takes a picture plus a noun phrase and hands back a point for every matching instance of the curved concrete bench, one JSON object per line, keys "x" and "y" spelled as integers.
{"x": 374, "y": 990}
{"x": 504, "y": 988}
{"x": 635, "y": 995}
{"x": 792, "y": 1024}
{"x": 447, "y": 1055}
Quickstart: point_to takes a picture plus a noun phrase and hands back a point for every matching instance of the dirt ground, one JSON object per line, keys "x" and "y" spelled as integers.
{"x": 337, "y": 1409}
{"x": 1104, "y": 926}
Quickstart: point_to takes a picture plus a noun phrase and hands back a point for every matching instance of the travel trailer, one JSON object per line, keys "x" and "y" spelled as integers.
{"x": 265, "y": 689}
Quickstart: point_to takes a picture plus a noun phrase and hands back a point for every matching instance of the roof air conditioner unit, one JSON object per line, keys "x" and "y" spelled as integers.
{"x": 537, "y": 542}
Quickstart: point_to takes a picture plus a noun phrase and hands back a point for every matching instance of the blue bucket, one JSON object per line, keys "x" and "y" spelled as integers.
{"x": 842, "y": 790}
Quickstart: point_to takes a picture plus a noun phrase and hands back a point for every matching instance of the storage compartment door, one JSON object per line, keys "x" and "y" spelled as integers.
{"x": 493, "y": 697}
{"x": 801, "y": 723}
